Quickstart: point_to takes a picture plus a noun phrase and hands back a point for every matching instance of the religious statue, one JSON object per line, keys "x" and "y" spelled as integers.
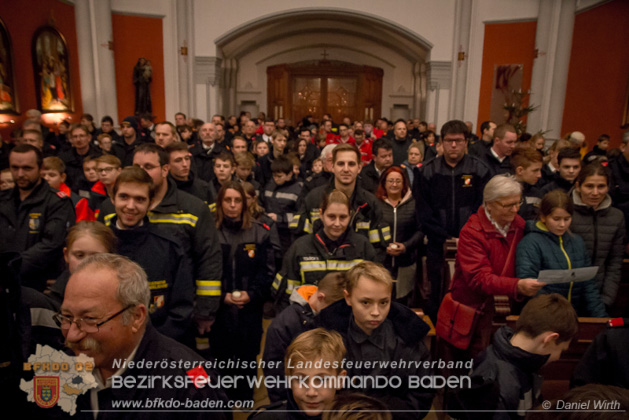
{"x": 142, "y": 78}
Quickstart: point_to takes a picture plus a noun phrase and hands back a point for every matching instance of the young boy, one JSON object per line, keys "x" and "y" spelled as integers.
{"x": 569, "y": 161}
{"x": 376, "y": 329}
{"x": 54, "y": 172}
{"x": 314, "y": 364}
{"x": 317, "y": 166}
{"x": 91, "y": 176}
{"x": 278, "y": 148}
{"x": 527, "y": 167}
{"x": 280, "y": 198}
{"x": 306, "y": 302}
{"x": 504, "y": 377}
{"x": 224, "y": 168}
{"x": 245, "y": 164}
{"x": 600, "y": 149}
{"x": 6, "y": 179}
{"x": 108, "y": 169}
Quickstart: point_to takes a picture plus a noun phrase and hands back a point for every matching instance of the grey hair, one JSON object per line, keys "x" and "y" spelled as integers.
{"x": 327, "y": 150}
{"x": 501, "y": 186}
{"x": 133, "y": 288}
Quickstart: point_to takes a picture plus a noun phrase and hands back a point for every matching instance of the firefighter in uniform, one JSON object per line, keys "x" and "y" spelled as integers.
{"x": 248, "y": 268}
{"x": 167, "y": 268}
{"x": 366, "y": 217}
{"x": 334, "y": 247}
{"x": 187, "y": 219}
{"x": 34, "y": 219}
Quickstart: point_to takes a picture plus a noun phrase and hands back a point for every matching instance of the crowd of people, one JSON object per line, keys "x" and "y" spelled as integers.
{"x": 174, "y": 240}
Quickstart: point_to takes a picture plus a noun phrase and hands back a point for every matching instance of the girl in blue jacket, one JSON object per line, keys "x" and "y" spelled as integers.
{"x": 549, "y": 245}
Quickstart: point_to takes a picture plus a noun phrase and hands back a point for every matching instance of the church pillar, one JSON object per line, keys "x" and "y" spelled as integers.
{"x": 185, "y": 44}
{"x": 553, "y": 44}
{"x": 207, "y": 77}
{"x": 96, "y": 58}
{"x": 439, "y": 75}
{"x": 463, "y": 19}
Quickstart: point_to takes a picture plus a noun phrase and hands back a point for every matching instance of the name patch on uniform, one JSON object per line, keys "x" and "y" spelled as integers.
{"x": 159, "y": 284}
{"x": 467, "y": 180}
{"x": 310, "y": 259}
{"x": 362, "y": 225}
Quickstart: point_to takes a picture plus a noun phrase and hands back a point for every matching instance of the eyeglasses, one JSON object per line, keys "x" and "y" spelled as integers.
{"x": 457, "y": 141}
{"x": 105, "y": 170}
{"x": 89, "y": 326}
{"x": 511, "y": 205}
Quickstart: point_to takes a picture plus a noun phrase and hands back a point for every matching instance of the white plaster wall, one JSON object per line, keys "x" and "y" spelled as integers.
{"x": 489, "y": 11}
{"x": 166, "y": 9}
{"x": 397, "y": 80}
{"x": 431, "y": 19}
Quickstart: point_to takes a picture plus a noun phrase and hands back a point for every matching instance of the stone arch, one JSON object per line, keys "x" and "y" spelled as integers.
{"x": 301, "y": 34}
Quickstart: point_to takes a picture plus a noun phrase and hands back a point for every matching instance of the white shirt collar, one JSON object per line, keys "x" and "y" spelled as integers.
{"x": 502, "y": 230}
{"x": 496, "y": 155}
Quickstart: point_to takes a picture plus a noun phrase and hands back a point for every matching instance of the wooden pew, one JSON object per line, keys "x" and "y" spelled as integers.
{"x": 430, "y": 338}
{"x": 557, "y": 374}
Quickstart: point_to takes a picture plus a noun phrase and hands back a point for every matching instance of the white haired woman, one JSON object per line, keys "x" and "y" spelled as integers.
{"x": 485, "y": 266}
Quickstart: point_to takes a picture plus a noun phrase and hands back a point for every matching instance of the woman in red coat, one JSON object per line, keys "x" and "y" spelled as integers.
{"x": 485, "y": 266}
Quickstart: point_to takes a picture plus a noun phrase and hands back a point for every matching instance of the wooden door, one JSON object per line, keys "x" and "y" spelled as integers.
{"x": 316, "y": 88}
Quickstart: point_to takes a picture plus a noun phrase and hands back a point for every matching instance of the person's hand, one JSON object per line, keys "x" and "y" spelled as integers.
{"x": 396, "y": 248}
{"x": 204, "y": 325}
{"x": 529, "y": 287}
{"x": 242, "y": 300}
{"x": 272, "y": 216}
{"x": 229, "y": 299}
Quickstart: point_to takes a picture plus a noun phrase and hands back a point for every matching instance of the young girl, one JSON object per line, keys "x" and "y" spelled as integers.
{"x": 549, "y": 245}
{"x": 84, "y": 239}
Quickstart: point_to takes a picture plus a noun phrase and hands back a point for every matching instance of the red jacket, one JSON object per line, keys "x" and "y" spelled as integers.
{"x": 81, "y": 205}
{"x": 480, "y": 261}
{"x": 365, "y": 151}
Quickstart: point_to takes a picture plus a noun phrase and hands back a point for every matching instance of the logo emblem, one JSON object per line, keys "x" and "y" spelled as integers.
{"x": 46, "y": 391}
{"x": 33, "y": 223}
{"x": 251, "y": 253}
{"x": 159, "y": 301}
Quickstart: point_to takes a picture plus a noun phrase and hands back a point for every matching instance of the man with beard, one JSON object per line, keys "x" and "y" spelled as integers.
{"x": 34, "y": 218}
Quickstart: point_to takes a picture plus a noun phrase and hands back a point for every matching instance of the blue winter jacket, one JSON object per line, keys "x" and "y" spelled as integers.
{"x": 543, "y": 250}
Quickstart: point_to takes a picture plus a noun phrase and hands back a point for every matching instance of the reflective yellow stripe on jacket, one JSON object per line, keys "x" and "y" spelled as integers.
{"x": 208, "y": 287}
{"x": 179, "y": 219}
{"x": 175, "y": 218}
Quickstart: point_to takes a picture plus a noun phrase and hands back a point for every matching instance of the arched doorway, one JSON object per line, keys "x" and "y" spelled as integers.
{"x": 324, "y": 87}
{"x": 302, "y": 35}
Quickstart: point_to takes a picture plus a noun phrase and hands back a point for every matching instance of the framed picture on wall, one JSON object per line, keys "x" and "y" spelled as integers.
{"x": 8, "y": 96}
{"x": 52, "y": 70}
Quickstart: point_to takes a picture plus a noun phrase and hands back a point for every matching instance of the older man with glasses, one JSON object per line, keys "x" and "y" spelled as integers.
{"x": 104, "y": 315}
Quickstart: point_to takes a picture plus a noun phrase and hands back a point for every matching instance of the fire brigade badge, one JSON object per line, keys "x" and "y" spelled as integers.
{"x": 46, "y": 391}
